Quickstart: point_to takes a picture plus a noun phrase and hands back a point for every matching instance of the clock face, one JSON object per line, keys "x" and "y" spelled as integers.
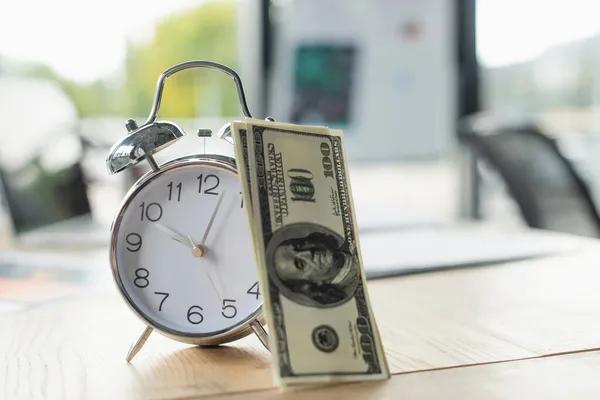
{"x": 182, "y": 251}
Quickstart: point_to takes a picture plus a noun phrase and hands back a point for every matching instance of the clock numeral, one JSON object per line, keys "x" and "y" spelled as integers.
{"x": 141, "y": 278}
{"x": 198, "y": 318}
{"x": 163, "y": 300}
{"x": 135, "y": 241}
{"x": 178, "y": 187}
{"x": 153, "y": 212}
{"x": 232, "y": 311}
{"x": 205, "y": 179}
{"x": 242, "y": 201}
{"x": 256, "y": 293}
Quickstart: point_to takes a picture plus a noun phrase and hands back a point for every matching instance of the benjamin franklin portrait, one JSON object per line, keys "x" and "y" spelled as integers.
{"x": 313, "y": 266}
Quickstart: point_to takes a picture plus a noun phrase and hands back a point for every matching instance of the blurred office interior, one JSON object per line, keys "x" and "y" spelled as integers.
{"x": 402, "y": 79}
{"x": 471, "y": 129}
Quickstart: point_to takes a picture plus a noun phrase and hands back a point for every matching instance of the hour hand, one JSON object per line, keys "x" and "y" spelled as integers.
{"x": 174, "y": 235}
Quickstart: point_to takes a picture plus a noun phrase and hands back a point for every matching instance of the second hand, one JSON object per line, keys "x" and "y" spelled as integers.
{"x": 204, "y": 267}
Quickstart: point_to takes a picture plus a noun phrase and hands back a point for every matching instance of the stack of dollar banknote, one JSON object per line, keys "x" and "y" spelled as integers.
{"x": 320, "y": 321}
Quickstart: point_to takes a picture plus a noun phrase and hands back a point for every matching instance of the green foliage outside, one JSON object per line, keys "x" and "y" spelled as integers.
{"x": 207, "y": 32}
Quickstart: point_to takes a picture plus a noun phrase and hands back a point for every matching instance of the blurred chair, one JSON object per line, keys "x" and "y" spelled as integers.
{"x": 36, "y": 197}
{"x": 544, "y": 184}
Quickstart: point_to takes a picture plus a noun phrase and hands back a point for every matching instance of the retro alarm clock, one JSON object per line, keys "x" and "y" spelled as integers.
{"x": 181, "y": 248}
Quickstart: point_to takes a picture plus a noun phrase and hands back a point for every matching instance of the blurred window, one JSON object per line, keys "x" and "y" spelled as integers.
{"x": 539, "y": 58}
{"x": 106, "y": 55}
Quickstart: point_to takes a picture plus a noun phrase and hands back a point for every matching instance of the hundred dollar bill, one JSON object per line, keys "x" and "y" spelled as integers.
{"x": 321, "y": 324}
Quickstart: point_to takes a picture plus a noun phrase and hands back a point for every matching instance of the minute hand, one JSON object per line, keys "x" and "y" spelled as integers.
{"x": 212, "y": 217}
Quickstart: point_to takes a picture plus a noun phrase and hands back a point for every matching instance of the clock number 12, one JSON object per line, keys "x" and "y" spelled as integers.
{"x": 208, "y": 180}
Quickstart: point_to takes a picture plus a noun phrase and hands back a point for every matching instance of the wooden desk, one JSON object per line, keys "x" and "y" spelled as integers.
{"x": 502, "y": 331}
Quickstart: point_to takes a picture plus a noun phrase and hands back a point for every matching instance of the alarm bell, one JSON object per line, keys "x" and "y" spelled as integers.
{"x": 141, "y": 143}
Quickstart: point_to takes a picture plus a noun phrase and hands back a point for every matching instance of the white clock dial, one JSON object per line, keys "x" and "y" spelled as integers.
{"x": 184, "y": 274}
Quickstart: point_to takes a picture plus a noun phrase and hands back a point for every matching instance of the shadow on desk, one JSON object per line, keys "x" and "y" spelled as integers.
{"x": 186, "y": 370}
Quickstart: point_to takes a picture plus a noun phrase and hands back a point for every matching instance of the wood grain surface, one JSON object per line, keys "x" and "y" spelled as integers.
{"x": 571, "y": 376}
{"x": 75, "y": 348}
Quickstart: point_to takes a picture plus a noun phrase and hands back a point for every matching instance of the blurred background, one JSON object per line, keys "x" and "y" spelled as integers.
{"x": 463, "y": 109}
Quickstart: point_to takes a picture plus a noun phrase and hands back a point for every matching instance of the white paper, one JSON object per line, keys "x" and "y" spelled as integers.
{"x": 418, "y": 250}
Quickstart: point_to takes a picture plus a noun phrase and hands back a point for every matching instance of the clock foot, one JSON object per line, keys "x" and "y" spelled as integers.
{"x": 138, "y": 344}
{"x": 260, "y": 332}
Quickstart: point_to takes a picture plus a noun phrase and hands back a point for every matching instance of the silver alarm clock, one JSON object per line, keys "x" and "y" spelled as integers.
{"x": 181, "y": 247}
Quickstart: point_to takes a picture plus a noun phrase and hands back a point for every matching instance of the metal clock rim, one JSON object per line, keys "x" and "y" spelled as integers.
{"x": 237, "y": 331}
